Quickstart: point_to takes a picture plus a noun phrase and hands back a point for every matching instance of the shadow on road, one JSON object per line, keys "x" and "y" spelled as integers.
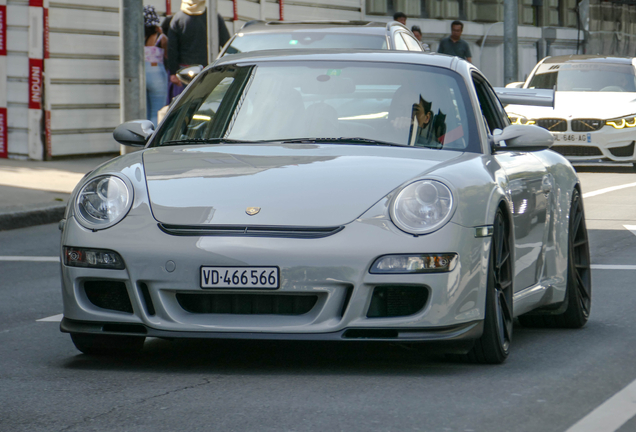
{"x": 301, "y": 357}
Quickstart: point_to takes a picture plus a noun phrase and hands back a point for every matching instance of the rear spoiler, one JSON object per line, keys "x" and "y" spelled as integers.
{"x": 521, "y": 96}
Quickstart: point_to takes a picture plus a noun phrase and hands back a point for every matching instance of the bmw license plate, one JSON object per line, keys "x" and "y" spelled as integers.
{"x": 573, "y": 138}
{"x": 240, "y": 277}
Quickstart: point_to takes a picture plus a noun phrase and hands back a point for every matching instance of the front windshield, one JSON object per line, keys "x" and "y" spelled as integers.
{"x": 303, "y": 40}
{"x": 585, "y": 77}
{"x": 392, "y": 104}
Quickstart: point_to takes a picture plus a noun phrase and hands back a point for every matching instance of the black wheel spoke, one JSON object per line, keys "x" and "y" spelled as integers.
{"x": 505, "y": 284}
{"x": 581, "y": 286}
{"x": 577, "y": 220}
{"x": 507, "y": 311}
{"x": 581, "y": 242}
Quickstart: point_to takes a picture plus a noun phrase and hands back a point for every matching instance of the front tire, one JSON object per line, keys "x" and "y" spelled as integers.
{"x": 493, "y": 346}
{"x": 102, "y": 345}
{"x": 575, "y": 309}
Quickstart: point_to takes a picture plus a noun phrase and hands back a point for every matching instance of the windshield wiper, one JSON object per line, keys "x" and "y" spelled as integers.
{"x": 206, "y": 141}
{"x": 343, "y": 140}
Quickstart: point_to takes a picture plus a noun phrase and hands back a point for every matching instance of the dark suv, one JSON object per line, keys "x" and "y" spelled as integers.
{"x": 267, "y": 35}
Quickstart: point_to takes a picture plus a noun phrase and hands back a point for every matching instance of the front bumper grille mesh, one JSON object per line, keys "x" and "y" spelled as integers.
{"x": 553, "y": 125}
{"x": 107, "y": 294}
{"x": 577, "y": 150}
{"x": 397, "y": 301}
{"x": 586, "y": 125}
{"x": 247, "y": 304}
{"x": 626, "y": 151}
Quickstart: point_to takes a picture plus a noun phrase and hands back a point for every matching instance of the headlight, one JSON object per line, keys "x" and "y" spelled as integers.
{"x": 623, "y": 122}
{"x": 422, "y": 207}
{"x": 517, "y": 119}
{"x": 103, "y": 201}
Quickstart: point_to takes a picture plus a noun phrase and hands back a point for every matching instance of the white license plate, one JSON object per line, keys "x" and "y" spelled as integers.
{"x": 574, "y": 138}
{"x": 240, "y": 277}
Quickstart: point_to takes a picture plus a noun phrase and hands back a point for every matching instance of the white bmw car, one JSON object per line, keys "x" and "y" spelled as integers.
{"x": 594, "y": 115}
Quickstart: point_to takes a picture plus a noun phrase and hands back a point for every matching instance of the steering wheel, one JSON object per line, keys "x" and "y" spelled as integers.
{"x": 612, "y": 88}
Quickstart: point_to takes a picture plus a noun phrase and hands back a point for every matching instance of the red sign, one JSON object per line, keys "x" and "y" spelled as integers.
{"x": 168, "y": 8}
{"x": 47, "y": 132}
{"x": 46, "y": 33}
{"x": 3, "y": 30}
{"x": 4, "y": 142}
{"x": 36, "y": 3}
{"x": 35, "y": 83}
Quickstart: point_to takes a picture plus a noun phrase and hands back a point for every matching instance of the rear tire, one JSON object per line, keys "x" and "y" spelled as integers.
{"x": 102, "y": 345}
{"x": 575, "y": 309}
{"x": 493, "y": 346}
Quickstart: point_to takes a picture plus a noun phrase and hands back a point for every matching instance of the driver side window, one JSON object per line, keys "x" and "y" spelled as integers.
{"x": 492, "y": 111}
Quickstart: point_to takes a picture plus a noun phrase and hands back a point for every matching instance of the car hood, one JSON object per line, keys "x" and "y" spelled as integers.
{"x": 294, "y": 185}
{"x": 599, "y": 105}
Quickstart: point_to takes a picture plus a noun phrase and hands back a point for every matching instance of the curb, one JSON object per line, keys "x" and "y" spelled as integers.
{"x": 27, "y": 218}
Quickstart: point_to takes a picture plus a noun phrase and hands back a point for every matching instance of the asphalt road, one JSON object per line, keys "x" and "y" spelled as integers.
{"x": 552, "y": 380}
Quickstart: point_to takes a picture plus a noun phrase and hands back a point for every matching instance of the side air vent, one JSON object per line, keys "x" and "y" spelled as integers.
{"x": 108, "y": 294}
{"x": 145, "y": 294}
{"x": 623, "y": 151}
{"x": 396, "y": 301}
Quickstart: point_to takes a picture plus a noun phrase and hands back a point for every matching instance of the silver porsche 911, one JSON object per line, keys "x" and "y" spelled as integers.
{"x": 378, "y": 196}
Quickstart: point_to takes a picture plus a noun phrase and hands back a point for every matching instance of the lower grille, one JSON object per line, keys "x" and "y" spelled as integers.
{"x": 396, "y": 301}
{"x": 106, "y": 294}
{"x": 623, "y": 151}
{"x": 553, "y": 125}
{"x": 586, "y": 125}
{"x": 577, "y": 150}
{"x": 247, "y": 304}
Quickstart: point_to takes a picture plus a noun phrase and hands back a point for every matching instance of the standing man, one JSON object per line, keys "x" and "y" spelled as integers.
{"x": 454, "y": 45}
{"x": 400, "y": 17}
{"x": 188, "y": 36}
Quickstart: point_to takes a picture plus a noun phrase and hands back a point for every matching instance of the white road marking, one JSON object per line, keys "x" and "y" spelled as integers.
{"x": 613, "y": 267}
{"x": 611, "y": 414}
{"x": 54, "y": 318}
{"x": 30, "y": 258}
{"x": 632, "y": 228}
{"x": 609, "y": 189}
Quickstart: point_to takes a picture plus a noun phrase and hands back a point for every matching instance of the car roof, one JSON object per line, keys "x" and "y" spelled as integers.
{"x": 380, "y": 56}
{"x": 588, "y": 59}
{"x": 357, "y": 27}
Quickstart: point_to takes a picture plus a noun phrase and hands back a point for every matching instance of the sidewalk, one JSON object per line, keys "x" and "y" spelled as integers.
{"x": 34, "y": 193}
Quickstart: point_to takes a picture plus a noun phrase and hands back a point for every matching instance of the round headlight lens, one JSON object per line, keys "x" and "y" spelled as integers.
{"x": 103, "y": 201}
{"x": 422, "y": 207}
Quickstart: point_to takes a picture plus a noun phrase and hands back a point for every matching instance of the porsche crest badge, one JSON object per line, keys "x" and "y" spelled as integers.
{"x": 252, "y": 210}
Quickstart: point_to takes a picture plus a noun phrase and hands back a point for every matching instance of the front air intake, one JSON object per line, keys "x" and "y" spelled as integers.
{"x": 108, "y": 294}
{"x": 397, "y": 301}
{"x": 247, "y": 304}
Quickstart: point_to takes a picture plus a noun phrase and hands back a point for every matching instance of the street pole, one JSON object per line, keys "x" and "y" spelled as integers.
{"x": 132, "y": 86}
{"x": 213, "y": 31}
{"x": 511, "y": 54}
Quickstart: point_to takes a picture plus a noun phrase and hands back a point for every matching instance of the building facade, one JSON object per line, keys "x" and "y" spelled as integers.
{"x": 59, "y": 60}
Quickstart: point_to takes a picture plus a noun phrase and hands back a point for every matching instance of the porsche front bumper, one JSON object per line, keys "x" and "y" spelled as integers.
{"x": 162, "y": 275}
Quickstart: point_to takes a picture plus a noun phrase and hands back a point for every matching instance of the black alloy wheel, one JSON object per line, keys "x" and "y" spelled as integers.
{"x": 575, "y": 309}
{"x": 103, "y": 345}
{"x": 493, "y": 346}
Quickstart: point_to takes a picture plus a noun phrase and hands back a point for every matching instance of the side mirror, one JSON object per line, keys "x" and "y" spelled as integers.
{"x": 186, "y": 75}
{"x": 514, "y": 85}
{"x": 522, "y": 138}
{"x": 134, "y": 133}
